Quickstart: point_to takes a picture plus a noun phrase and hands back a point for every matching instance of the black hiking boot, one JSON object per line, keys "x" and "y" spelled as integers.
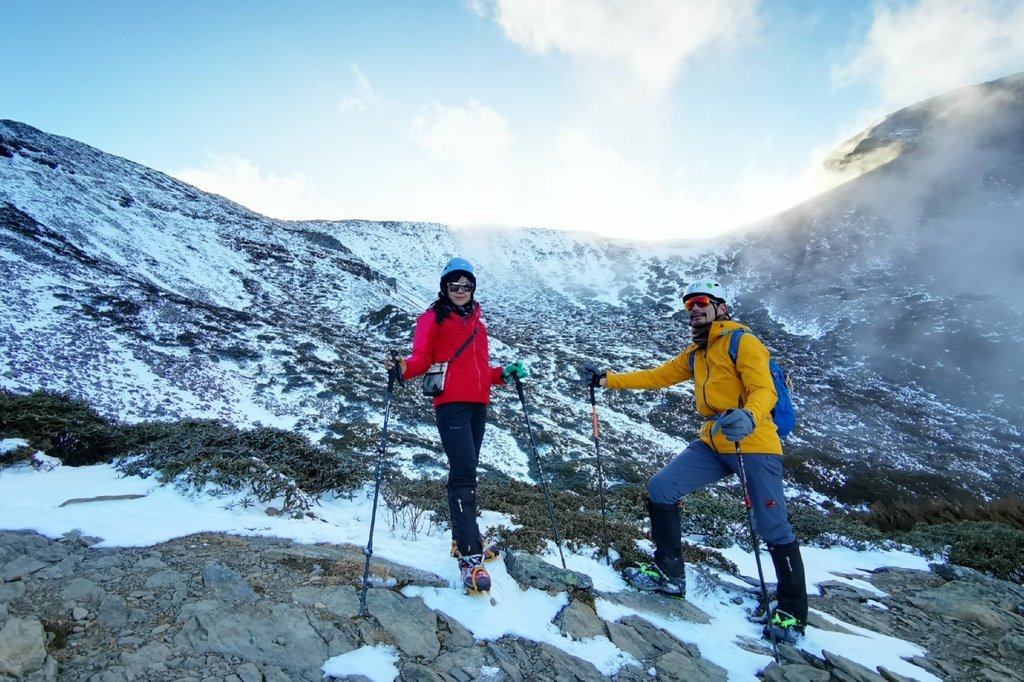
{"x": 667, "y": 573}
{"x": 785, "y": 627}
{"x": 792, "y": 586}
{"x": 651, "y": 578}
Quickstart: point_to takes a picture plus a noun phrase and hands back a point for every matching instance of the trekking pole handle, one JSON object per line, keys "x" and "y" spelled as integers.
{"x": 395, "y": 373}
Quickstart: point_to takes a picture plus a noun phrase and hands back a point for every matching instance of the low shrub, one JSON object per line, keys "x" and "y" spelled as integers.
{"x": 270, "y": 462}
{"x": 903, "y": 516}
{"x": 60, "y": 426}
{"x": 995, "y": 549}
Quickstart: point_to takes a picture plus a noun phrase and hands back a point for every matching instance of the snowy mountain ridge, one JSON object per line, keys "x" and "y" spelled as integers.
{"x": 894, "y": 299}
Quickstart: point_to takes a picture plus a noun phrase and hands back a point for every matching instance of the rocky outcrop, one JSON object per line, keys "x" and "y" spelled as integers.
{"x": 222, "y": 608}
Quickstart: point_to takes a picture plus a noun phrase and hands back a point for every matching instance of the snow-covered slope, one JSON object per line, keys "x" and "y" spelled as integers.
{"x": 895, "y": 299}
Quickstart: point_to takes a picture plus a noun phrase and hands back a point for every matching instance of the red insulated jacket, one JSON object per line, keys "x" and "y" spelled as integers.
{"x": 470, "y": 376}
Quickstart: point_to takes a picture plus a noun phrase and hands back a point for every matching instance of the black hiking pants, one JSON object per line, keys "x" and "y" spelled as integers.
{"x": 461, "y": 426}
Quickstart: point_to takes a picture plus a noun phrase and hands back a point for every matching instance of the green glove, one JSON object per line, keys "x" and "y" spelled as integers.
{"x": 516, "y": 369}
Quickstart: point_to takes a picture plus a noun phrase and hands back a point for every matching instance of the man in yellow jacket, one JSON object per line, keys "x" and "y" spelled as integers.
{"x": 736, "y": 400}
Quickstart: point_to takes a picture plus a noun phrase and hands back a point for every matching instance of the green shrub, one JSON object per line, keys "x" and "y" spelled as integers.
{"x": 855, "y": 482}
{"x": 22, "y": 453}
{"x": 903, "y": 516}
{"x": 722, "y": 520}
{"x": 272, "y": 463}
{"x": 269, "y": 462}
{"x": 579, "y": 521}
{"x": 60, "y": 426}
{"x": 837, "y": 528}
{"x": 418, "y": 505}
{"x": 992, "y": 548}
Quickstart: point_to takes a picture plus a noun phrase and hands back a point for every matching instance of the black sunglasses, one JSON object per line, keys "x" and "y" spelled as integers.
{"x": 453, "y": 287}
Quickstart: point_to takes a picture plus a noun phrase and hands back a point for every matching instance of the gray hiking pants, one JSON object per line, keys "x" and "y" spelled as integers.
{"x": 698, "y": 466}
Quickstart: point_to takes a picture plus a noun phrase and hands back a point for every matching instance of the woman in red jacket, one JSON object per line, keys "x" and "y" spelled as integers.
{"x": 452, "y": 330}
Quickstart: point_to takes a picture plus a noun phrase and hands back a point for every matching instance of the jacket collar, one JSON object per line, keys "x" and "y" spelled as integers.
{"x": 722, "y": 328}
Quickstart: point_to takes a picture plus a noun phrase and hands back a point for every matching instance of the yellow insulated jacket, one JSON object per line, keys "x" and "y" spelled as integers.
{"x": 720, "y": 385}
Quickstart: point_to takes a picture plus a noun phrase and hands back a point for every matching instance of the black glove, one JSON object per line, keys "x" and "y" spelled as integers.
{"x": 395, "y": 365}
{"x": 736, "y": 424}
{"x": 592, "y": 375}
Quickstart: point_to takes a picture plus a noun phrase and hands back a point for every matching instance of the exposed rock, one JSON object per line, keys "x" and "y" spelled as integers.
{"x": 215, "y": 607}
{"x": 670, "y": 608}
{"x": 342, "y": 559}
{"x": 532, "y": 571}
{"x": 227, "y": 584}
{"x": 22, "y": 646}
{"x": 677, "y": 666}
{"x": 579, "y": 621}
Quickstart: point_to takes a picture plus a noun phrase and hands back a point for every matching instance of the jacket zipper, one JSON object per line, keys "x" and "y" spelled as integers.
{"x": 471, "y": 348}
{"x": 476, "y": 360}
{"x": 704, "y": 390}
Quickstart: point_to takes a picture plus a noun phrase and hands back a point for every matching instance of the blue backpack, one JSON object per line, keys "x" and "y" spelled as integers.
{"x": 784, "y": 412}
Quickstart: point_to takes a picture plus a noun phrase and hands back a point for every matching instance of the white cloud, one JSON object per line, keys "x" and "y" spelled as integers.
{"x": 575, "y": 180}
{"x": 920, "y": 50}
{"x": 286, "y": 197}
{"x": 579, "y": 182}
{"x": 651, "y": 38}
{"x": 572, "y": 181}
{"x": 467, "y": 136}
{"x": 477, "y": 7}
{"x": 366, "y": 96}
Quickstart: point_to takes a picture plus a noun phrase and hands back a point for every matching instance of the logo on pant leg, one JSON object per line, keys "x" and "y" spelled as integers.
{"x": 770, "y": 503}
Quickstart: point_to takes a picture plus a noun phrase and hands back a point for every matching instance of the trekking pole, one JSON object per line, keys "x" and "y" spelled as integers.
{"x": 757, "y": 551}
{"x": 540, "y": 470}
{"x": 395, "y": 373}
{"x": 600, "y": 477}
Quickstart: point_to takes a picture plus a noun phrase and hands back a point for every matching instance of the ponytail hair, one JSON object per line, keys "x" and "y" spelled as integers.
{"x": 442, "y": 306}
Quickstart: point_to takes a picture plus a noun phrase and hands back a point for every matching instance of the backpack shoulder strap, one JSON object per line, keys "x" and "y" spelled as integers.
{"x": 734, "y": 343}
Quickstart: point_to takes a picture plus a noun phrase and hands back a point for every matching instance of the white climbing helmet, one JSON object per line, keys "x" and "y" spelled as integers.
{"x": 706, "y": 286}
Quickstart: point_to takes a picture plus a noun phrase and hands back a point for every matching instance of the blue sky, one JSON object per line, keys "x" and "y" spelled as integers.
{"x": 641, "y": 119}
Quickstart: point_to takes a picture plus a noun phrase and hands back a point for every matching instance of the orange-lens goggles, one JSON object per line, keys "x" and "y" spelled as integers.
{"x": 701, "y": 301}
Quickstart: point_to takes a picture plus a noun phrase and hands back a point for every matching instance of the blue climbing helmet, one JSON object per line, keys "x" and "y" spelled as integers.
{"x": 457, "y": 266}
